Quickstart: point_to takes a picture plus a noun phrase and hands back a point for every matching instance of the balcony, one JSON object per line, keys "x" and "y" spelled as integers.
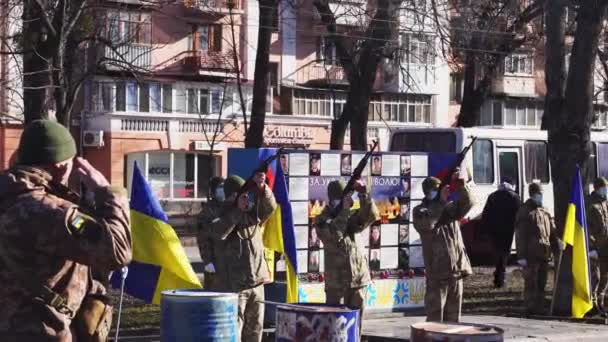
{"x": 130, "y": 56}
{"x": 208, "y": 61}
{"x": 214, "y": 6}
{"x": 319, "y": 74}
{"x": 515, "y": 85}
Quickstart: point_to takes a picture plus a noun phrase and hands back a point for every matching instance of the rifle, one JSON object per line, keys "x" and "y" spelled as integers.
{"x": 448, "y": 178}
{"x": 355, "y": 177}
{"x": 263, "y": 167}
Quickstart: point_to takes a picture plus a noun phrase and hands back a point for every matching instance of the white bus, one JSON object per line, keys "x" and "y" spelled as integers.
{"x": 519, "y": 154}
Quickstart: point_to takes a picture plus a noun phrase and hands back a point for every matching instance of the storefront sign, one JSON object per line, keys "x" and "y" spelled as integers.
{"x": 288, "y": 135}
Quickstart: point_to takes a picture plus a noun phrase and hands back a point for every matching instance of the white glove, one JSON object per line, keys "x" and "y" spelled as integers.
{"x": 561, "y": 244}
{"x": 593, "y": 255}
{"x": 522, "y": 262}
{"x": 209, "y": 268}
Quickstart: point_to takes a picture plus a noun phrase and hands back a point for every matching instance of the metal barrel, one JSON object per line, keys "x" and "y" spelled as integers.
{"x": 455, "y": 332}
{"x": 197, "y": 315}
{"x": 316, "y": 322}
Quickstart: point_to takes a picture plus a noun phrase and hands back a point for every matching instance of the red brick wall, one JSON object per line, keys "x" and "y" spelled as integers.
{"x": 9, "y": 141}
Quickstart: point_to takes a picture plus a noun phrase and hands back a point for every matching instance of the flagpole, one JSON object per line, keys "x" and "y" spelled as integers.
{"x": 123, "y": 275}
{"x": 555, "y": 282}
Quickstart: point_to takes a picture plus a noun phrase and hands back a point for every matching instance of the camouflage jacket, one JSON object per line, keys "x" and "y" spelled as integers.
{"x": 238, "y": 246}
{"x": 210, "y": 212}
{"x": 48, "y": 242}
{"x": 597, "y": 222}
{"x": 442, "y": 246}
{"x": 345, "y": 261}
{"x": 534, "y": 233}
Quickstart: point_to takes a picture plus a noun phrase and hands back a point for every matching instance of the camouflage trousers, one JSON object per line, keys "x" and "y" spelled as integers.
{"x": 535, "y": 280}
{"x": 443, "y": 300}
{"x": 251, "y": 314}
{"x": 354, "y": 298}
{"x": 599, "y": 280}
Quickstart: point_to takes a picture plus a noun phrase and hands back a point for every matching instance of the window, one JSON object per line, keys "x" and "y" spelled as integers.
{"x": 102, "y": 96}
{"x": 512, "y": 112}
{"x": 326, "y": 53}
{"x": 602, "y": 159}
{"x": 318, "y": 103}
{"x": 456, "y": 87}
{"x": 438, "y": 142}
{"x": 207, "y": 38}
{"x": 537, "y": 161}
{"x": 483, "y": 162}
{"x": 198, "y": 101}
{"x": 174, "y": 175}
{"x": 519, "y": 64}
{"x": 401, "y": 108}
{"x": 140, "y": 97}
{"x": 419, "y": 48}
{"x": 273, "y": 77}
{"x": 129, "y": 27}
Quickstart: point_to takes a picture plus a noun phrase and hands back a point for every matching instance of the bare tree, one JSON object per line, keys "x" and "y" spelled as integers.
{"x": 51, "y": 45}
{"x": 569, "y": 107}
{"x": 483, "y": 34}
{"x": 360, "y": 57}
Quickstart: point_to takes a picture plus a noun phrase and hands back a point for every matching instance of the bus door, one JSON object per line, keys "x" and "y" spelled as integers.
{"x": 509, "y": 161}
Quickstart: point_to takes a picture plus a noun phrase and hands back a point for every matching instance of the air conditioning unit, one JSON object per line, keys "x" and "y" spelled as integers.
{"x": 92, "y": 138}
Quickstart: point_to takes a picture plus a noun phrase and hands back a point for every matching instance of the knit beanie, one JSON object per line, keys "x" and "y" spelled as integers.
{"x": 335, "y": 189}
{"x": 232, "y": 185}
{"x": 45, "y": 142}
{"x": 430, "y": 183}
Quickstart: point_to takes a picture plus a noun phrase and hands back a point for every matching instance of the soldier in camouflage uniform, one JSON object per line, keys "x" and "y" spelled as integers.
{"x": 239, "y": 250}
{"x": 597, "y": 222}
{"x": 48, "y": 243}
{"x": 210, "y": 211}
{"x": 535, "y": 239}
{"x": 346, "y": 268}
{"x": 446, "y": 261}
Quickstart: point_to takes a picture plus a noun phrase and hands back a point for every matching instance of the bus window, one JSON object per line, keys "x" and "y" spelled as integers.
{"x": 438, "y": 142}
{"x": 592, "y": 163}
{"x": 602, "y": 159}
{"x": 483, "y": 162}
{"x": 537, "y": 162}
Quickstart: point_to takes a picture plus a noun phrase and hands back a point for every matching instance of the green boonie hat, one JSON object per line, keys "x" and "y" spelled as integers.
{"x": 600, "y": 183}
{"x": 45, "y": 142}
{"x": 535, "y": 188}
{"x": 232, "y": 185}
{"x": 429, "y": 184}
{"x": 335, "y": 189}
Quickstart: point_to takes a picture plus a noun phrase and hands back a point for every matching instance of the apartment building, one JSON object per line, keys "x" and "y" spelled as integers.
{"x": 168, "y": 99}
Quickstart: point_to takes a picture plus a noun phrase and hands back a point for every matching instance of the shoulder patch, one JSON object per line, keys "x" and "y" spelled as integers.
{"x": 77, "y": 222}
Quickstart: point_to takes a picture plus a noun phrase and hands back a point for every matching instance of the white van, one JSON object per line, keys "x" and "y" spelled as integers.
{"x": 519, "y": 154}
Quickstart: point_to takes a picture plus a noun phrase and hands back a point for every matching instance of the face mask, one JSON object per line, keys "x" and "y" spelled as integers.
{"x": 251, "y": 201}
{"x": 335, "y": 203}
{"x": 219, "y": 194}
{"x": 538, "y": 199}
{"x": 603, "y": 192}
{"x": 431, "y": 195}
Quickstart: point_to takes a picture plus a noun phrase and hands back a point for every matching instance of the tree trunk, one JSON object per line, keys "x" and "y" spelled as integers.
{"x": 467, "y": 116}
{"x": 37, "y": 80}
{"x": 569, "y": 126}
{"x": 255, "y": 134}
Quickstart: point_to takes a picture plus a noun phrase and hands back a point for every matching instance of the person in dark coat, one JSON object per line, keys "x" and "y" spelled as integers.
{"x": 499, "y": 221}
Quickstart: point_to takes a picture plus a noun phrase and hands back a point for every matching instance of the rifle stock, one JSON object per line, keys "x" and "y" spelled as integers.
{"x": 356, "y": 176}
{"x": 459, "y": 159}
{"x": 263, "y": 167}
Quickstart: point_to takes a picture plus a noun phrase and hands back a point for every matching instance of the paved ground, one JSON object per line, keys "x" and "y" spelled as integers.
{"x": 515, "y": 329}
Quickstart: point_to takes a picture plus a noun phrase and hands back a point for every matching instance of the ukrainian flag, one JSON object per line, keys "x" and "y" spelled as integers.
{"x": 575, "y": 235}
{"x": 159, "y": 260}
{"x": 279, "y": 233}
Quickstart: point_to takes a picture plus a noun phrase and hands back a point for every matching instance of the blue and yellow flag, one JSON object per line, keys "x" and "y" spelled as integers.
{"x": 575, "y": 235}
{"x": 159, "y": 260}
{"x": 279, "y": 233}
